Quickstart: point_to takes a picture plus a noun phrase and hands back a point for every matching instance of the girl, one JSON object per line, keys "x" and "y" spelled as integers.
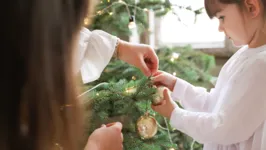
{"x": 232, "y": 116}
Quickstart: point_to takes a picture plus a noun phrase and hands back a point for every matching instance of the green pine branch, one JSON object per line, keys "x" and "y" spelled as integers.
{"x": 124, "y": 102}
{"x": 128, "y": 95}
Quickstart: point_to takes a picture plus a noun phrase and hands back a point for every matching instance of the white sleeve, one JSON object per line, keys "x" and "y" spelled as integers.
{"x": 95, "y": 51}
{"x": 192, "y": 98}
{"x": 235, "y": 120}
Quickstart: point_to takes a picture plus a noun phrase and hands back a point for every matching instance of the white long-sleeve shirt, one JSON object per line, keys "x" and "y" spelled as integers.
{"x": 232, "y": 116}
{"x": 95, "y": 50}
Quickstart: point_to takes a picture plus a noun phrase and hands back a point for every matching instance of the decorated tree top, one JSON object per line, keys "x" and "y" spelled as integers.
{"x": 115, "y": 16}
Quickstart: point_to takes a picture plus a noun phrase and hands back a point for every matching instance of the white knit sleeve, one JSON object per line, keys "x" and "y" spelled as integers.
{"x": 96, "y": 49}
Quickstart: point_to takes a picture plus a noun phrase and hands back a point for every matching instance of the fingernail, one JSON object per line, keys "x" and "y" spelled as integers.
{"x": 110, "y": 124}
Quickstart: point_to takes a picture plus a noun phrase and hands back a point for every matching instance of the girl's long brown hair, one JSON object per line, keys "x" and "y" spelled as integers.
{"x": 39, "y": 40}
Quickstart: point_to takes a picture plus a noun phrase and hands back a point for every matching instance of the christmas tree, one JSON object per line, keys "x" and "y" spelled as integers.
{"x": 127, "y": 102}
{"x": 124, "y": 94}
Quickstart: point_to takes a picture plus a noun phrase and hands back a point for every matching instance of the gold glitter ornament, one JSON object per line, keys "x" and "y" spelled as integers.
{"x": 147, "y": 126}
{"x": 159, "y": 96}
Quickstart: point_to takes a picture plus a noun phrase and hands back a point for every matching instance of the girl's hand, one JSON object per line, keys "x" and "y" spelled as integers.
{"x": 161, "y": 78}
{"x": 166, "y": 107}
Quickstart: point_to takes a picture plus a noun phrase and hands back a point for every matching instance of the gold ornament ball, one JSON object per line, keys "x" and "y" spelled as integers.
{"x": 159, "y": 96}
{"x": 147, "y": 126}
{"x": 130, "y": 90}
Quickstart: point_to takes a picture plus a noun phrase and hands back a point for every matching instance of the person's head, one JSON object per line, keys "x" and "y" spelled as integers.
{"x": 39, "y": 40}
{"x": 243, "y": 21}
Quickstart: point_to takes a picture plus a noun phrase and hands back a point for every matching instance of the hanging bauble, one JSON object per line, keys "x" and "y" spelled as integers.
{"x": 147, "y": 126}
{"x": 158, "y": 99}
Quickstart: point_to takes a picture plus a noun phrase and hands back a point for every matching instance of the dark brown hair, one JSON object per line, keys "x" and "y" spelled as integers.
{"x": 39, "y": 37}
{"x": 214, "y": 6}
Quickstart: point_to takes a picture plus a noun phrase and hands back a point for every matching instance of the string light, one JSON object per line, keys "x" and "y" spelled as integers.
{"x": 131, "y": 90}
{"x": 134, "y": 78}
{"x": 172, "y": 59}
{"x": 175, "y": 55}
{"x": 174, "y": 73}
{"x": 127, "y": 90}
{"x": 97, "y": 94}
{"x": 86, "y": 21}
{"x": 132, "y": 23}
{"x": 120, "y": 2}
{"x": 65, "y": 106}
{"x": 99, "y": 12}
{"x": 59, "y": 146}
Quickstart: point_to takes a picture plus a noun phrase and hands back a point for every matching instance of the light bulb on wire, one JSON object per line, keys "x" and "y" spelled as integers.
{"x": 172, "y": 59}
{"x": 175, "y": 55}
{"x": 174, "y": 73}
{"x": 145, "y": 9}
{"x": 99, "y": 12}
{"x": 132, "y": 23}
{"x": 86, "y": 21}
{"x": 134, "y": 78}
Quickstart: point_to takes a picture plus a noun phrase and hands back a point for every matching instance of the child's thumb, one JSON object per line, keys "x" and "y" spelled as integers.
{"x": 157, "y": 107}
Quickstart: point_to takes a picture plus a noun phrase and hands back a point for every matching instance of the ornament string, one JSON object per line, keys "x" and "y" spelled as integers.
{"x": 135, "y": 10}
{"x": 98, "y": 85}
{"x": 83, "y": 94}
{"x": 147, "y": 102}
{"x": 168, "y": 131}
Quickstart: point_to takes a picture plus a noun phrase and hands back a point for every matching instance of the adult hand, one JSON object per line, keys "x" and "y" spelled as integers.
{"x": 106, "y": 138}
{"x": 139, "y": 55}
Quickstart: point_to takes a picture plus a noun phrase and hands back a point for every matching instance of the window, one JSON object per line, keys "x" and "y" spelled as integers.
{"x": 200, "y": 34}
